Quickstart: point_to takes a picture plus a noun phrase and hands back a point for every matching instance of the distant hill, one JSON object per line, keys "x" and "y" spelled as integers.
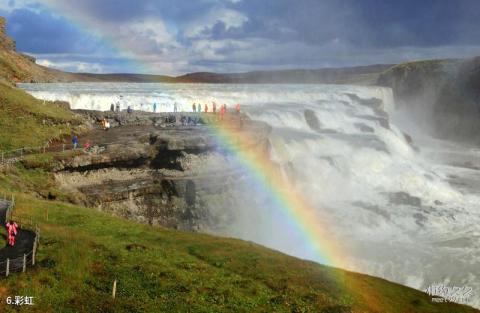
{"x": 17, "y": 67}
{"x": 365, "y": 75}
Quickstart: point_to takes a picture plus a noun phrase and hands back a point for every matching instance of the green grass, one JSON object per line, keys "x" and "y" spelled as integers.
{"x": 83, "y": 251}
{"x": 3, "y": 237}
{"x": 28, "y": 122}
{"x": 8, "y": 67}
{"x": 158, "y": 270}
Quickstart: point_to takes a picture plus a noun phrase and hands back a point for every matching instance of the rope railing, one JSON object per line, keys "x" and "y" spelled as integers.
{"x": 11, "y": 156}
{"x": 11, "y": 203}
{"x": 14, "y": 155}
{"x": 20, "y": 263}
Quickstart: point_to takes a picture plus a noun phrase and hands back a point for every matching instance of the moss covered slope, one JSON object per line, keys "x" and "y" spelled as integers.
{"x": 160, "y": 270}
{"x": 26, "y": 121}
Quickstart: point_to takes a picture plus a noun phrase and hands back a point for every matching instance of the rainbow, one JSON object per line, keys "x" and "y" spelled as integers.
{"x": 90, "y": 26}
{"x": 293, "y": 205}
{"x": 306, "y": 220}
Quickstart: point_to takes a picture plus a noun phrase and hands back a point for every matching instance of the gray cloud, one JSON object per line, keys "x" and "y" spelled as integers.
{"x": 222, "y": 35}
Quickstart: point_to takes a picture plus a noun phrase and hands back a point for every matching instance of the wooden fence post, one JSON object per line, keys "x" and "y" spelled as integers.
{"x": 7, "y": 272}
{"x": 24, "y": 263}
{"x": 34, "y": 252}
{"x": 114, "y": 290}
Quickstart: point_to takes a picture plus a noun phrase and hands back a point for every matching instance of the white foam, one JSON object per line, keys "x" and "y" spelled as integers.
{"x": 351, "y": 169}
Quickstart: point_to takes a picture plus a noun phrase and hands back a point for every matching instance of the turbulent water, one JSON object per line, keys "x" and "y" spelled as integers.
{"x": 404, "y": 211}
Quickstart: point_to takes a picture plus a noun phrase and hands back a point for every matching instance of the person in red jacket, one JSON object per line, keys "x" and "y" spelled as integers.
{"x": 222, "y": 112}
{"x": 86, "y": 146}
{"x": 12, "y": 232}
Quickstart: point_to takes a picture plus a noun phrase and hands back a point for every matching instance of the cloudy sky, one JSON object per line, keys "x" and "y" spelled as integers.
{"x": 176, "y": 37}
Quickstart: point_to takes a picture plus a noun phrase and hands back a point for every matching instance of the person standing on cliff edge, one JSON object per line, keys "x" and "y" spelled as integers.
{"x": 194, "y": 108}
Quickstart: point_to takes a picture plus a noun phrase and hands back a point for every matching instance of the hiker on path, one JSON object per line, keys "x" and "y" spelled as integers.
{"x": 199, "y": 108}
{"x": 175, "y": 107}
{"x": 105, "y": 124}
{"x": 214, "y": 108}
{"x": 194, "y": 108}
{"x": 154, "y": 107}
{"x": 206, "y": 108}
{"x": 86, "y": 146}
{"x": 12, "y": 232}
{"x": 75, "y": 141}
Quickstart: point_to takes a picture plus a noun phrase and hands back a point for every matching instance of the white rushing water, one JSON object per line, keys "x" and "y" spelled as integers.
{"x": 405, "y": 215}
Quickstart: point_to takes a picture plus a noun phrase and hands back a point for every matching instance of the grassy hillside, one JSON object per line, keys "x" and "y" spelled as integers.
{"x": 26, "y": 121}
{"x": 83, "y": 251}
{"x": 161, "y": 270}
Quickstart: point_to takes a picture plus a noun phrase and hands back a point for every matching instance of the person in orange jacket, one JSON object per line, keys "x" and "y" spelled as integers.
{"x": 206, "y": 108}
{"x": 12, "y": 232}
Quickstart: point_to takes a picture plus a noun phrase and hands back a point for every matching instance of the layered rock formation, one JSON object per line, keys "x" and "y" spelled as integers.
{"x": 149, "y": 171}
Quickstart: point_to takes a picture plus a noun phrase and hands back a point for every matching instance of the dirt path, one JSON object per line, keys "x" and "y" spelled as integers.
{"x": 23, "y": 245}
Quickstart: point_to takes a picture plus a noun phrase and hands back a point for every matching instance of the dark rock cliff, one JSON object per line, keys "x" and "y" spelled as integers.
{"x": 150, "y": 171}
{"x": 442, "y": 93}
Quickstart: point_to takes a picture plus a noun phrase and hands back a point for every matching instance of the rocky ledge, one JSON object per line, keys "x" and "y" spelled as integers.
{"x": 154, "y": 168}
